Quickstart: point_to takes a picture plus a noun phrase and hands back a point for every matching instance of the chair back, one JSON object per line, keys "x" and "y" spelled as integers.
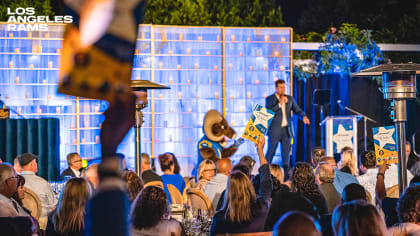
{"x": 154, "y": 183}
{"x": 198, "y": 200}
{"x": 393, "y": 192}
{"x": 247, "y": 234}
{"x": 369, "y": 198}
{"x": 32, "y": 202}
{"x": 176, "y": 196}
{"x": 185, "y": 193}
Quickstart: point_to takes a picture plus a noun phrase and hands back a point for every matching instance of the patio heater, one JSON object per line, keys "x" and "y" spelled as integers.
{"x": 140, "y": 88}
{"x": 399, "y": 85}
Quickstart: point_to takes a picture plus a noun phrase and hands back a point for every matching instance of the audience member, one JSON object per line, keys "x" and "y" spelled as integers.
{"x": 243, "y": 211}
{"x": 248, "y": 161}
{"x": 348, "y": 161}
{"x": 206, "y": 172}
{"x": 122, "y": 160}
{"x": 354, "y": 192}
{"x": 317, "y": 154}
{"x": 303, "y": 181}
{"x": 358, "y": 218}
{"x": 284, "y": 201}
{"x": 74, "y": 162}
{"x": 40, "y": 186}
{"x": 325, "y": 178}
{"x": 177, "y": 168}
{"x": 16, "y": 165}
{"x": 387, "y": 204}
{"x": 169, "y": 177}
{"x": 342, "y": 179}
{"x": 68, "y": 218}
{"x": 287, "y": 225}
{"x": 244, "y": 169}
{"x": 147, "y": 174}
{"x": 408, "y": 210}
{"x": 134, "y": 184}
{"x": 277, "y": 171}
{"x": 149, "y": 214}
{"x": 413, "y": 161}
{"x": 92, "y": 175}
{"x": 216, "y": 186}
{"x": 370, "y": 172}
{"x": 8, "y": 187}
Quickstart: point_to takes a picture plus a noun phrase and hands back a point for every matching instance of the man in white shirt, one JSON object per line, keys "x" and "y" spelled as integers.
{"x": 8, "y": 187}
{"x": 216, "y": 186}
{"x": 40, "y": 186}
{"x": 74, "y": 162}
{"x": 370, "y": 172}
{"x": 281, "y": 128}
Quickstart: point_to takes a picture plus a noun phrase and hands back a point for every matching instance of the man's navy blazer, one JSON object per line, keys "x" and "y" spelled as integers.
{"x": 272, "y": 103}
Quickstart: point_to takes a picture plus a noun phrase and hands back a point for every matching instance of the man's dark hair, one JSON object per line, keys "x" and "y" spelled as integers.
{"x": 368, "y": 159}
{"x": 408, "y": 206}
{"x": 242, "y": 168}
{"x": 353, "y": 192}
{"x": 70, "y": 157}
{"x": 248, "y": 161}
{"x": 279, "y": 81}
{"x": 317, "y": 154}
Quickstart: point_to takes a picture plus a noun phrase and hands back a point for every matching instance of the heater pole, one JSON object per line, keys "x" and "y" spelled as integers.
{"x": 400, "y": 117}
{"x": 137, "y": 137}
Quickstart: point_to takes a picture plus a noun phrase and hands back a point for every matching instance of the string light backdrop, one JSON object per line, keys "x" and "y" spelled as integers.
{"x": 223, "y": 68}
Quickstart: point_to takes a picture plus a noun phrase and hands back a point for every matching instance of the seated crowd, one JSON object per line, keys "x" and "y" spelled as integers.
{"x": 321, "y": 197}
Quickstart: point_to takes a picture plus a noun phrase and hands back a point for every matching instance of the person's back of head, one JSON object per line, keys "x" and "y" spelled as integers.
{"x": 353, "y": 192}
{"x": 367, "y": 160}
{"x": 166, "y": 163}
{"x": 28, "y": 162}
{"x": 239, "y": 197}
{"x": 8, "y": 180}
{"x": 408, "y": 205}
{"x": 296, "y": 223}
{"x": 149, "y": 208}
{"x": 92, "y": 174}
{"x": 71, "y": 207}
{"x": 277, "y": 171}
{"x": 329, "y": 160}
{"x": 134, "y": 184}
{"x": 303, "y": 179}
{"x": 325, "y": 173}
{"x": 358, "y": 218}
{"x": 248, "y": 161}
{"x": 242, "y": 168}
{"x": 145, "y": 162}
{"x": 348, "y": 159}
{"x": 224, "y": 166}
{"x": 317, "y": 154}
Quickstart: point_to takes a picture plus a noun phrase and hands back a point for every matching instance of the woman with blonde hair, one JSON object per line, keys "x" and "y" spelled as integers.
{"x": 206, "y": 172}
{"x": 347, "y": 162}
{"x": 68, "y": 217}
{"x": 243, "y": 211}
{"x": 277, "y": 172}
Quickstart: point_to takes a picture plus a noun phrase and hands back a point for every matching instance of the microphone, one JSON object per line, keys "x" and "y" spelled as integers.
{"x": 340, "y": 104}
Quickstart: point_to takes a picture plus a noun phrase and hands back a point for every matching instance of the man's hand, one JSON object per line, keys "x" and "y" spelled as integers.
{"x": 383, "y": 168}
{"x": 306, "y": 120}
{"x": 260, "y": 144}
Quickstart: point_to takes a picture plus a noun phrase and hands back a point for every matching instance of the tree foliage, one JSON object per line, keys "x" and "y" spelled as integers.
{"x": 214, "y": 12}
